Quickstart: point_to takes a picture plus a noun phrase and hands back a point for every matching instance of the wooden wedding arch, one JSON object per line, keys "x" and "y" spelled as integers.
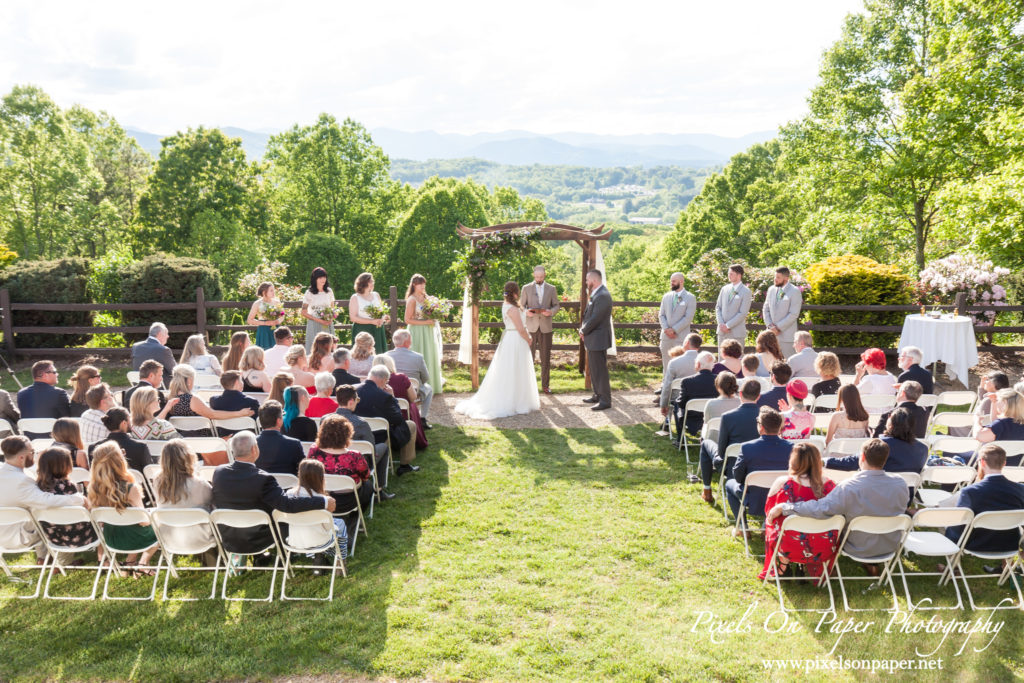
{"x": 586, "y": 238}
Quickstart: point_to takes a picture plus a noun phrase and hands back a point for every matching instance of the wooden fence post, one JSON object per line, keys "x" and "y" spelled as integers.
{"x": 393, "y": 304}
{"x": 8, "y": 322}
{"x": 474, "y": 368}
{"x": 961, "y": 303}
{"x": 201, "y": 311}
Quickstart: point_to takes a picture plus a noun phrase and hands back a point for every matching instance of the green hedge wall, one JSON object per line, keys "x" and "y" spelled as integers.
{"x": 64, "y": 281}
{"x": 330, "y": 252}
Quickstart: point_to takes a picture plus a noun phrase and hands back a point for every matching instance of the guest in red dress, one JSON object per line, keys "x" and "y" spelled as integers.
{"x": 332, "y": 449}
{"x": 323, "y": 403}
{"x": 805, "y": 482}
{"x": 401, "y": 387}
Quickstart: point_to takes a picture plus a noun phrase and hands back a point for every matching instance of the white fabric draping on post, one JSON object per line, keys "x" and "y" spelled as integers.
{"x": 466, "y": 331}
{"x": 950, "y": 340}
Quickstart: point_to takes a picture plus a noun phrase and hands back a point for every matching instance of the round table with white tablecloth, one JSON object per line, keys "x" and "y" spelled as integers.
{"x": 947, "y": 339}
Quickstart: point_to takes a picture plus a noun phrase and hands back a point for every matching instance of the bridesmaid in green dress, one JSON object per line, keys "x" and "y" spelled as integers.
{"x": 426, "y": 334}
{"x": 264, "y": 327}
{"x": 111, "y": 485}
{"x": 319, "y": 295}
{"x": 361, "y": 320}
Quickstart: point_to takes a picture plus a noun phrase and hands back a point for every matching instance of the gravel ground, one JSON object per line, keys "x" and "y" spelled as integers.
{"x": 557, "y": 411}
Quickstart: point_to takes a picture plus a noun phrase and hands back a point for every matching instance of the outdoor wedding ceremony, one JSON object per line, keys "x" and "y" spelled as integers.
{"x": 409, "y": 343}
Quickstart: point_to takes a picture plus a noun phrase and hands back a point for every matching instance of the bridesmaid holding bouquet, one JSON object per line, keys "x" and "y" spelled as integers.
{"x": 368, "y": 314}
{"x": 266, "y": 314}
{"x": 425, "y": 330}
{"x": 318, "y": 307}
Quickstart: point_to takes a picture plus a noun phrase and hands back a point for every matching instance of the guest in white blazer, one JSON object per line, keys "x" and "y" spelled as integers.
{"x": 19, "y": 490}
{"x": 675, "y": 316}
{"x": 781, "y": 309}
{"x": 732, "y": 307}
{"x": 802, "y": 362}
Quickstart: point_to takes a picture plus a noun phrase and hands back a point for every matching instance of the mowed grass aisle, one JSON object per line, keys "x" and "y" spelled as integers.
{"x": 513, "y": 555}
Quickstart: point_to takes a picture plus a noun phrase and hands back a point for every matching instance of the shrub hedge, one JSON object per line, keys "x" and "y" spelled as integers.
{"x": 330, "y": 252}
{"x": 854, "y": 280}
{"x": 63, "y": 281}
{"x": 162, "y": 278}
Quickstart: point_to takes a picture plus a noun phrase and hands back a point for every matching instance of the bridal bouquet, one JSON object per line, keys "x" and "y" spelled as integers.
{"x": 269, "y": 310}
{"x": 328, "y": 313}
{"x": 378, "y": 311}
{"x": 436, "y": 309}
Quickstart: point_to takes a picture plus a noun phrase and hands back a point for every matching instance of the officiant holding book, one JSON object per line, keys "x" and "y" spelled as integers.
{"x": 540, "y": 301}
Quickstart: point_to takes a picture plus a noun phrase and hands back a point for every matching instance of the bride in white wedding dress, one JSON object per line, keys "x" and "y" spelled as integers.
{"x": 510, "y": 386}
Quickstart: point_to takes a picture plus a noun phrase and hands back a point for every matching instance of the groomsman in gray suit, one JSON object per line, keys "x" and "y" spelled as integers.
{"x": 675, "y": 315}
{"x": 596, "y": 333}
{"x": 782, "y": 310}
{"x": 732, "y": 307}
{"x": 540, "y": 301}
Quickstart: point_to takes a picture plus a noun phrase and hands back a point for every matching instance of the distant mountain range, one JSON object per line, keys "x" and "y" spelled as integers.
{"x": 519, "y": 147}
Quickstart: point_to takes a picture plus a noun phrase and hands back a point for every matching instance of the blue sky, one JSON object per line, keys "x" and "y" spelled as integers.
{"x": 727, "y": 68}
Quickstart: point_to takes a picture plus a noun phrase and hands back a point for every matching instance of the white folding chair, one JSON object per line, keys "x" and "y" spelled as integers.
{"x": 814, "y": 440}
{"x": 307, "y": 446}
{"x": 207, "y": 380}
{"x": 696, "y": 405}
{"x": 245, "y": 519}
{"x": 821, "y": 423}
{"x": 826, "y": 402}
{"x": 194, "y": 423}
{"x": 309, "y": 533}
{"x": 929, "y": 402}
{"x": 235, "y": 424}
{"x": 839, "y": 447}
{"x": 133, "y": 377}
{"x": 208, "y": 444}
{"x": 711, "y": 428}
{"x": 408, "y": 452}
{"x": 847, "y": 379}
{"x": 167, "y": 523}
{"x": 108, "y": 516}
{"x": 731, "y": 453}
{"x": 140, "y": 479}
{"x": 205, "y": 472}
{"x": 155, "y": 446}
{"x": 869, "y": 524}
{"x": 66, "y": 515}
{"x": 964, "y": 399}
{"x": 18, "y": 519}
{"x": 1014, "y": 451}
{"x": 805, "y": 525}
{"x": 955, "y": 444}
{"x": 6, "y": 426}
{"x": 761, "y": 479}
{"x": 996, "y": 520}
{"x": 957, "y": 476}
{"x": 1014, "y": 474}
{"x": 876, "y": 404}
{"x": 79, "y": 475}
{"x": 285, "y": 481}
{"x": 403, "y": 404}
{"x": 36, "y": 425}
{"x": 151, "y": 472}
{"x": 913, "y": 480}
{"x": 379, "y": 424}
{"x": 838, "y": 475}
{"x": 932, "y": 544}
{"x": 366, "y": 449}
{"x": 206, "y": 394}
{"x": 260, "y": 396}
{"x": 947, "y": 420}
{"x": 340, "y": 483}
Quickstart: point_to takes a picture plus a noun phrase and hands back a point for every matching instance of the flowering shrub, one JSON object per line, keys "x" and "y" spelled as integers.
{"x": 272, "y": 271}
{"x": 943, "y": 279}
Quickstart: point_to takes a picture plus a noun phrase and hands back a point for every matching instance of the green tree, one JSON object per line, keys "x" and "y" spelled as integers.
{"x": 331, "y": 252}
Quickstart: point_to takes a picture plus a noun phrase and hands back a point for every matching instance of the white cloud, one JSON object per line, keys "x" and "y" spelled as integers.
{"x": 456, "y": 66}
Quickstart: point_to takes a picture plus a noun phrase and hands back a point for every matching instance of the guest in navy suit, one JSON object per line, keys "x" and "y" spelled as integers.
{"x": 738, "y": 426}
{"x": 43, "y": 398}
{"x": 780, "y": 376}
{"x": 910, "y": 362}
{"x": 375, "y": 401}
{"x": 993, "y": 492}
{"x": 910, "y": 392}
{"x": 278, "y": 453}
{"x": 342, "y": 358}
{"x": 232, "y": 398}
{"x": 770, "y": 452}
{"x": 701, "y": 385}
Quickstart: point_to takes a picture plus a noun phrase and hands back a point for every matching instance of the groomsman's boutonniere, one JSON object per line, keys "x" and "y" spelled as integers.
{"x": 733, "y": 294}
{"x": 781, "y": 294}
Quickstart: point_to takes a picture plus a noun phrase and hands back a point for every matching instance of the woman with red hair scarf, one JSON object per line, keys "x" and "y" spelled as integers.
{"x": 873, "y": 378}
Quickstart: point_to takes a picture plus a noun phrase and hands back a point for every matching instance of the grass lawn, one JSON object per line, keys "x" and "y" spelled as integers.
{"x": 513, "y": 555}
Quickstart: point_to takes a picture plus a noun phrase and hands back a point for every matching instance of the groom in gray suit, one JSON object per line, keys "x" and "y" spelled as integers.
{"x": 596, "y": 333}
{"x": 674, "y": 316}
{"x": 732, "y": 307}
{"x": 781, "y": 310}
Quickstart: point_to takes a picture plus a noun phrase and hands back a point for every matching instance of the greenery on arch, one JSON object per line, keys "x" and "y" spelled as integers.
{"x": 496, "y": 249}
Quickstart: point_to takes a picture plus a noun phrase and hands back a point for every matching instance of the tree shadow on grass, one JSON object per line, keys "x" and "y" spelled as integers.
{"x": 214, "y": 639}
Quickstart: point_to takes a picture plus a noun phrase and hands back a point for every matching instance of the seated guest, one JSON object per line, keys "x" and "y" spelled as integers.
{"x": 52, "y": 471}
{"x": 232, "y": 398}
{"x": 240, "y": 485}
{"x": 851, "y": 420}
{"x": 332, "y": 449}
{"x": 769, "y": 452}
{"x": 401, "y": 387}
{"x": 177, "y": 486}
{"x": 68, "y": 434}
{"x": 730, "y": 354}
{"x": 910, "y": 392}
{"x": 411, "y": 364}
{"x": 296, "y": 424}
{"x": 779, "y": 376}
{"x": 320, "y": 358}
{"x": 232, "y": 360}
{"x": 992, "y": 491}
{"x": 281, "y": 381}
{"x": 111, "y": 485}
{"x": 738, "y": 426}
{"x": 8, "y": 411}
{"x": 295, "y": 364}
{"x": 323, "y": 403}
{"x": 341, "y": 373}
{"x": 802, "y": 362}
{"x": 375, "y": 401}
{"x": 797, "y": 422}
{"x": 151, "y": 374}
{"x": 42, "y": 398}
{"x": 728, "y": 387}
{"x": 906, "y": 453}
{"x": 805, "y": 481}
{"x": 682, "y": 364}
{"x": 826, "y": 365}
{"x": 991, "y": 383}
{"x": 347, "y": 399}
{"x": 752, "y": 367}
{"x": 19, "y": 491}
{"x": 873, "y": 378}
{"x": 253, "y": 369}
{"x": 154, "y": 348}
{"x": 135, "y": 452}
{"x": 195, "y": 354}
{"x": 767, "y": 349}
{"x": 273, "y": 358}
{"x": 311, "y": 483}
{"x": 361, "y": 355}
{"x": 909, "y": 362}
{"x": 1007, "y": 420}
{"x": 85, "y": 377}
{"x": 189, "y": 405}
{"x": 278, "y": 453}
{"x": 872, "y": 491}
{"x": 148, "y": 421}
{"x": 700, "y": 385}
{"x": 92, "y": 422}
